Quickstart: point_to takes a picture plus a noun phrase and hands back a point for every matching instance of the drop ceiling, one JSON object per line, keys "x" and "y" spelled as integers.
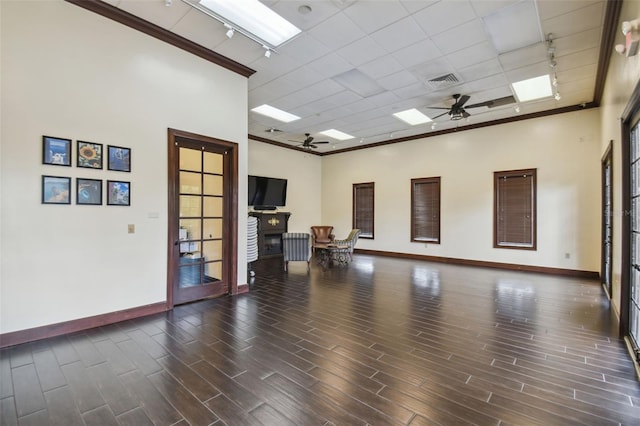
{"x": 410, "y": 53}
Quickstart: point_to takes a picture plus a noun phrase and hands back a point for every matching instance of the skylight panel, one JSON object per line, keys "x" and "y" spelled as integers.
{"x": 337, "y": 134}
{"x": 533, "y": 88}
{"x": 253, "y": 17}
{"x": 412, "y": 116}
{"x": 275, "y": 113}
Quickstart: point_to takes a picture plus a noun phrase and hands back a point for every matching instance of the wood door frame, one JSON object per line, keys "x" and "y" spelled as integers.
{"x": 230, "y": 231}
{"x": 606, "y": 278}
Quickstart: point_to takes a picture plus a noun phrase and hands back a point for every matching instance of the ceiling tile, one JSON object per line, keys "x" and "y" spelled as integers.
{"x": 553, "y": 8}
{"x": 399, "y": 34}
{"x": 417, "y": 53}
{"x": 444, "y": 15}
{"x": 460, "y": 37}
{"x": 330, "y": 65}
{"x": 383, "y": 66}
{"x": 481, "y": 70}
{"x": 579, "y": 20}
{"x": 320, "y": 11}
{"x": 485, "y": 7}
{"x": 472, "y": 55}
{"x": 304, "y": 48}
{"x": 397, "y": 80}
{"x": 372, "y": 16}
{"x": 362, "y": 51}
{"x": 336, "y": 32}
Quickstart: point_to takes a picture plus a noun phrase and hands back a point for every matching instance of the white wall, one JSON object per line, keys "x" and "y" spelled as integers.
{"x": 622, "y": 77}
{"x": 304, "y": 186}
{"x": 565, "y": 150}
{"x": 70, "y": 73}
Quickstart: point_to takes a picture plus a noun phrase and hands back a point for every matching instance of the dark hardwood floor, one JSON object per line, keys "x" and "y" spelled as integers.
{"x": 380, "y": 342}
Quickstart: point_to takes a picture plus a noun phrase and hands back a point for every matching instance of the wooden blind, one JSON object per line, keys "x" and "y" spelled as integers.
{"x": 363, "y": 208}
{"x": 515, "y": 205}
{"x": 425, "y": 210}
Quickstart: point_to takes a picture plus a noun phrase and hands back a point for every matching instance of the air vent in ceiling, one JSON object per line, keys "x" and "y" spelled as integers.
{"x": 443, "y": 81}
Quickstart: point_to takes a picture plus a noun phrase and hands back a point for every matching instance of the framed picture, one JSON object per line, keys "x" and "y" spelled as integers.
{"x": 89, "y": 191}
{"x": 56, "y": 190}
{"x": 56, "y": 151}
{"x": 119, "y": 159}
{"x": 118, "y": 193}
{"x": 89, "y": 155}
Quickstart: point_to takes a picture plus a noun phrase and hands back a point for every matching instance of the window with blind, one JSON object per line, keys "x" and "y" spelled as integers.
{"x": 515, "y": 209}
{"x": 425, "y": 210}
{"x": 363, "y": 208}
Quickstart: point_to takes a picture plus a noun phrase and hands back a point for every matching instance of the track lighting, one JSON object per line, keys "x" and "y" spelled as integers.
{"x": 230, "y": 31}
{"x": 557, "y": 96}
{"x": 517, "y": 108}
{"x": 267, "y": 52}
{"x": 433, "y": 126}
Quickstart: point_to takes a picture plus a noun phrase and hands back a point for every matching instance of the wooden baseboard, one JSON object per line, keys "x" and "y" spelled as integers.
{"x": 590, "y": 275}
{"x": 45, "y": 331}
{"x": 243, "y": 288}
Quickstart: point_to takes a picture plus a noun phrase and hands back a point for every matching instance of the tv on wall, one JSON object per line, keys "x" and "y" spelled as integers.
{"x": 267, "y": 193}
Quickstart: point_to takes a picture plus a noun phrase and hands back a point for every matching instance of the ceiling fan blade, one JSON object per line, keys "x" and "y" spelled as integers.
{"x": 438, "y": 108}
{"x": 437, "y": 116}
{"x": 316, "y": 142}
{"x": 481, "y": 104}
{"x": 465, "y": 114}
{"x": 461, "y": 101}
{"x": 495, "y": 102}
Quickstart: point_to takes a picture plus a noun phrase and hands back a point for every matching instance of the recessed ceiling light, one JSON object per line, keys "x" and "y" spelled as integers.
{"x": 533, "y": 88}
{"x": 412, "y": 116}
{"x": 337, "y": 134}
{"x": 253, "y": 17}
{"x": 276, "y": 113}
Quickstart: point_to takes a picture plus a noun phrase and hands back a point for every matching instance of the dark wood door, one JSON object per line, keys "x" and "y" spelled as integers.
{"x": 202, "y": 225}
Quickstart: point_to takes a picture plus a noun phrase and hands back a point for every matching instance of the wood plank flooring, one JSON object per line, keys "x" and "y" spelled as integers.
{"x": 380, "y": 342}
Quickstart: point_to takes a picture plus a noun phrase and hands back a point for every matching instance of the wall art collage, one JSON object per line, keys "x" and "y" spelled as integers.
{"x": 90, "y": 155}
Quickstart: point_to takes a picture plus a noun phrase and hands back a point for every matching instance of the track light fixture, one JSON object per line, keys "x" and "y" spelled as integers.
{"x": 557, "y": 96}
{"x": 230, "y": 31}
{"x": 267, "y": 51}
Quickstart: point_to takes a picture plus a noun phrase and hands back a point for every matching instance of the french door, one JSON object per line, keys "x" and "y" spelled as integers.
{"x": 202, "y": 217}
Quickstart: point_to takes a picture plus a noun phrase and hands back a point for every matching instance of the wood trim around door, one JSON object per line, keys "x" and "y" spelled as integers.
{"x": 230, "y": 233}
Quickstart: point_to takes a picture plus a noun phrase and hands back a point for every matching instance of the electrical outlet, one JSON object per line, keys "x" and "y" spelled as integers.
{"x": 131, "y": 228}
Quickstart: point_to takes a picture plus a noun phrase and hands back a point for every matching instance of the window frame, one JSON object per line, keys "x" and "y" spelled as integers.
{"x": 499, "y": 177}
{"x": 435, "y": 237}
{"x": 356, "y": 222}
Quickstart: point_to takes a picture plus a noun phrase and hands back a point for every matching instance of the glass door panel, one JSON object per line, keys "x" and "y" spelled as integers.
{"x": 634, "y": 302}
{"x": 212, "y": 206}
{"x": 213, "y": 228}
{"x": 190, "y": 183}
{"x": 201, "y": 201}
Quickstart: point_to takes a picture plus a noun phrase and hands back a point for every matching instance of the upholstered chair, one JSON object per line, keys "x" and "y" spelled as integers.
{"x": 296, "y": 246}
{"x": 350, "y": 241}
{"x": 322, "y": 235}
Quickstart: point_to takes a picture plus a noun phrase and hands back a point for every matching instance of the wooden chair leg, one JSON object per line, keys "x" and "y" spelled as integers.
{"x": 285, "y": 265}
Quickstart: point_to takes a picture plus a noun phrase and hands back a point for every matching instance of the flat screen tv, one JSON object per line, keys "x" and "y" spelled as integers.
{"x": 267, "y": 193}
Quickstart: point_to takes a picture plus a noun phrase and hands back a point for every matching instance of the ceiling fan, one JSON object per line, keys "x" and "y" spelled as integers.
{"x": 457, "y": 110}
{"x": 308, "y": 142}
